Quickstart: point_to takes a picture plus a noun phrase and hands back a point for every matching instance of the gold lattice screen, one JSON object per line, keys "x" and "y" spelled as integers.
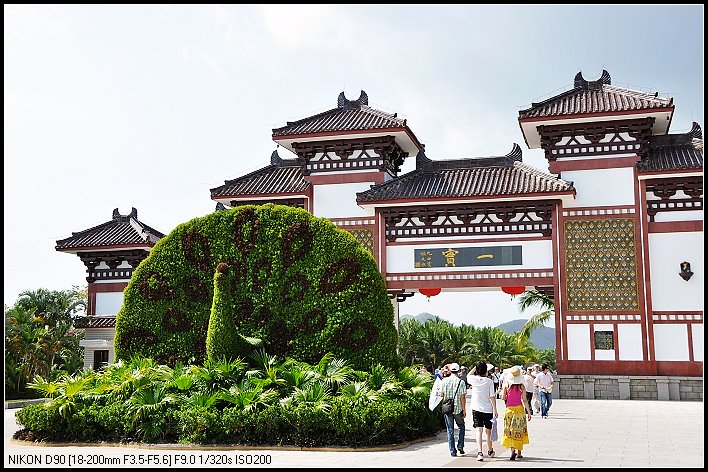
{"x": 601, "y": 264}
{"x": 365, "y": 238}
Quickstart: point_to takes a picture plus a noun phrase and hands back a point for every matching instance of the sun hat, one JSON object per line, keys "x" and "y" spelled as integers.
{"x": 454, "y": 367}
{"x": 515, "y": 376}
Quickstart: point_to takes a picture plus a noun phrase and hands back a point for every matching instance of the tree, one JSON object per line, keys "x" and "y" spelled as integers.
{"x": 533, "y": 298}
{"x": 40, "y": 337}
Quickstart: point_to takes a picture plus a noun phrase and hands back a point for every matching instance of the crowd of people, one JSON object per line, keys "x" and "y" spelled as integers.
{"x": 523, "y": 390}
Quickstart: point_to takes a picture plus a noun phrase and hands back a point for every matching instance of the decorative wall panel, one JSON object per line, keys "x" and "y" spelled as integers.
{"x": 364, "y": 236}
{"x": 601, "y": 264}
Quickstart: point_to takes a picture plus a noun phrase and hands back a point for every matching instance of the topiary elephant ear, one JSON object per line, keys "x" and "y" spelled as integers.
{"x": 294, "y": 281}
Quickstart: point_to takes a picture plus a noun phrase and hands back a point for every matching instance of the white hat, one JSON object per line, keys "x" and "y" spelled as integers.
{"x": 454, "y": 367}
{"x": 515, "y": 376}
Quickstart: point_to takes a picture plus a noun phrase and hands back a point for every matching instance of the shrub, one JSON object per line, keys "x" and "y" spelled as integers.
{"x": 296, "y": 282}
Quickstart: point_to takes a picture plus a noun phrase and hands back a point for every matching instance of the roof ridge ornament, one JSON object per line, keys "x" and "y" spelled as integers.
{"x": 516, "y": 153}
{"x": 343, "y": 102}
{"x": 133, "y": 213}
{"x": 116, "y": 214}
{"x": 696, "y": 132}
{"x": 275, "y": 159}
{"x": 422, "y": 161}
{"x": 580, "y": 82}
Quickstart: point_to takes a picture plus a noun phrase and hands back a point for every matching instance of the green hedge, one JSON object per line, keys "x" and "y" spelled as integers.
{"x": 296, "y": 282}
{"x": 345, "y": 424}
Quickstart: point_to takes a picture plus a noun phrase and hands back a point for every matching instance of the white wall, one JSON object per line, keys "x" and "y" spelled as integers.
{"x": 669, "y": 292}
{"x": 339, "y": 200}
{"x": 684, "y": 215}
{"x": 601, "y": 187}
{"x": 697, "y": 334}
{"x": 534, "y": 255}
{"x": 629, "y": 338}
{"x": 578, "y": 342}
{"x": 108, "y": 303}
{"x": 671, "y": 342}
{"x": 604, "y": 354}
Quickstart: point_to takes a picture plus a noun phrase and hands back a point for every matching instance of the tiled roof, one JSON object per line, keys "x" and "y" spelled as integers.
{"x": 281, "y": 176}
{"x": 475, "y": 177}
{"x": 95, "y": 322}
{"x": 121, "y": 230}
{"x": 349, "y": 115}
{"x": 597, "y": 96}
{"x": 674, "y": 152}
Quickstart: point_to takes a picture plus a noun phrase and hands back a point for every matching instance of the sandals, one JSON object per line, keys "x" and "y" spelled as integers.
{"x": 513, "y": 456}
{"x": 519, "y": 456}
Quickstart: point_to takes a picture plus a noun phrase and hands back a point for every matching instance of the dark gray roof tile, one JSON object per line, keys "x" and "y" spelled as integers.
{"x": 595, "y": 97}
{"x": 475, "y": 177}
{"x": 674, "y": 152}
{"x": 121, "y": 230}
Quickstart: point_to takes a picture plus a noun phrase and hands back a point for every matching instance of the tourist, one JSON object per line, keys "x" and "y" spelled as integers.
{"x": 496, "y": 378}
{"x": 528, "y": 385}
{"x": 484, "y": 406}
{"x": 454, "y": 387}
{"x": 536, "y": 401}
{"x": 518, "y": 411}
{"x": 544, "y": 382}
{"x": 463, "y": 375}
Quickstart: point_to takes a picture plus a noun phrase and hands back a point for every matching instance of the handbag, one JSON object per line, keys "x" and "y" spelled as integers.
{"x": 495, "y": 432}
{"x": 448, "y": 405}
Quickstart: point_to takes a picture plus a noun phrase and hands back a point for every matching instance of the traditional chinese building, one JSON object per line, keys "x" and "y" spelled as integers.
{"x": 613, "y": 231}
{"x": 110, "y": 252}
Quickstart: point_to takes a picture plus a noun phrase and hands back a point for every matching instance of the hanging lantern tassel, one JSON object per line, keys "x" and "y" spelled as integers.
{"x": 430, "y": 292}
{"x": 513, "y": 291}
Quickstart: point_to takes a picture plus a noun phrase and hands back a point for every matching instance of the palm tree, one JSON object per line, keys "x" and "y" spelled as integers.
{"x": 534, "y": 298}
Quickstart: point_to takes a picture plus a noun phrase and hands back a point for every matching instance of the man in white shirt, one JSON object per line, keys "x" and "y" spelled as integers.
{"x": 536, "y": 405}
{"x": 496, "y": 378}
{"x": 528, "y": 385}
{"x": 484, "y": 406}
{"x": 544, "y": 382}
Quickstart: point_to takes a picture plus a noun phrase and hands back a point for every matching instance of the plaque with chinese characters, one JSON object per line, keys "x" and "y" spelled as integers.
{"x": 467, "y": 256}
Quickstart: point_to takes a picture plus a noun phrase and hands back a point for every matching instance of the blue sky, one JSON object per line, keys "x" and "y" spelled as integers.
{"x": 151, "y": 106}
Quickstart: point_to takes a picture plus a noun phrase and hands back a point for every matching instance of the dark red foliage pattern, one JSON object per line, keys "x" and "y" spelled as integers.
{"x": 296, "y": 243}
{"x": 246, "y": 229}
{"x": 340, "y": 275}
{"x": 137, "y": 339}
{"x": 197, "y": 250}
{"x": 357, "y": 336}
{"x": 175, "y": 321}
{"x": 159, "y": 289}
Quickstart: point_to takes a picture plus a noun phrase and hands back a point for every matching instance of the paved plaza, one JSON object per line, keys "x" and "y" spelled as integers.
{"x": 578, "y": 433}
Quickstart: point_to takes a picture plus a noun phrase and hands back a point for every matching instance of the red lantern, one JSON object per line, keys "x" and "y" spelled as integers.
{"x": 513, "y": 291}
{"x": 430, "y": 292}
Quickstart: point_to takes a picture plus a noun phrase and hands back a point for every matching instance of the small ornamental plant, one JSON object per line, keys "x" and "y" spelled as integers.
{"x": 274, "y": 274}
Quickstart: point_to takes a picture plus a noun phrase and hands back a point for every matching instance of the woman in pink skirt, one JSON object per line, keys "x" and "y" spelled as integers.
{"x": 517, "y": 413}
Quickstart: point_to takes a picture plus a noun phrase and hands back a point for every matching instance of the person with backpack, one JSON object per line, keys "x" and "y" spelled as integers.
{"x": 454, "y": 388}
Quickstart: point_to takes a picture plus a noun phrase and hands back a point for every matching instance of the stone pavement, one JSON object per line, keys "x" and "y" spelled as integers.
{"x": 578, "y": 433}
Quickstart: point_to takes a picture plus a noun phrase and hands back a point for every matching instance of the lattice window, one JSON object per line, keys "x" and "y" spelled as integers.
{"x": 604, "y": 340}
{"x": 601, "y": 264}
{"x": 365, "y": 238}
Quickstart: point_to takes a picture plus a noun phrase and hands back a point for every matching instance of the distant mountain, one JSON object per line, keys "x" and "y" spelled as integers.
{"x": 420, "y": 317}
{"x": 542, "y": 337}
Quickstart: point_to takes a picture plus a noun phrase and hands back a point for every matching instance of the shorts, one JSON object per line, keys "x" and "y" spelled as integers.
{"x": 480, "y": 418}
